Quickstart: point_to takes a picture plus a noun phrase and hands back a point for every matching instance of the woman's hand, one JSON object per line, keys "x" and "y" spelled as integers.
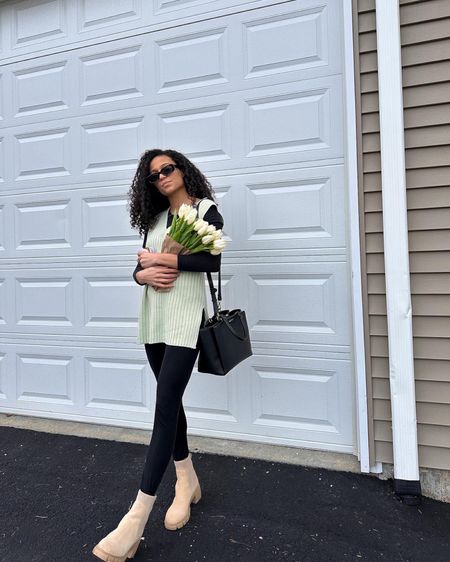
{"x": 158, "y": 276}
{"x": 147, "y": 258}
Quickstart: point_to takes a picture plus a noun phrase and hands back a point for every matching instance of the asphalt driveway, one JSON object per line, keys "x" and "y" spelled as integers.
{"x": 61, "y": 494}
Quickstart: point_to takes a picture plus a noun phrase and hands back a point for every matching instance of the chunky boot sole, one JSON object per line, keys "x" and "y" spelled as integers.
{"x": 196, "y": 497}
{"x": 100, "y": 553}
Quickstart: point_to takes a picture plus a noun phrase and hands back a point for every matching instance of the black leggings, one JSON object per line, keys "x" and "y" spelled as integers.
{"x": 172, "y": 366}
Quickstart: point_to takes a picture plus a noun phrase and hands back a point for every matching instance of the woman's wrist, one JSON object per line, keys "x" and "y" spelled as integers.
{"x": 168, "y": 260}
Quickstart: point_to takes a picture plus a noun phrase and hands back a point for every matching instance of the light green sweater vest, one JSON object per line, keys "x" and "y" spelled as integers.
{"x": 174, "y": 316}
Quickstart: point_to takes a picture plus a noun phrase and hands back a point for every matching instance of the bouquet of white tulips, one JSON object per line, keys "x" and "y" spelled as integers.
{"x": 189, "y": 234}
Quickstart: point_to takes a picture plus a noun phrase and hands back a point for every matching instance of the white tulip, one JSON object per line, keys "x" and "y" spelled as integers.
{"x": 202, "y": 230}
{"x": 207, "y": 239}
{"x": 199, "y": 223}
{"x": 183, "y": 210}
{"x": 219, "y": 244}
{"x": 215, "y": 252}
{"x": 211, "y": 228}
{"x": 191, "y": 216}
{"x": 217, "y": 234}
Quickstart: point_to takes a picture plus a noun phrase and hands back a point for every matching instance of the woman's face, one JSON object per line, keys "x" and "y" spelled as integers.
{"x": 170, "y": 184}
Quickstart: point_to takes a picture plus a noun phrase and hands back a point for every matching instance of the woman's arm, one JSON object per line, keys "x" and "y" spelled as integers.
{"x": 203, "y": 261}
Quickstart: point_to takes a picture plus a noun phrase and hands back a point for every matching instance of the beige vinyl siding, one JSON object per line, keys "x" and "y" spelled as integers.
{"x": 425, "y": 40}
{"x": 426, "y": 94}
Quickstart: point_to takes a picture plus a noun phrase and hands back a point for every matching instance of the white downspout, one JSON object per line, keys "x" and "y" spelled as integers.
{"x": 396, "y": 254}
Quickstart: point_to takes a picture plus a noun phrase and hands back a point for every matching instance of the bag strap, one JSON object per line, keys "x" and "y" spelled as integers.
{"x": 213, "y": 290}
{"x": 216, "y": 305}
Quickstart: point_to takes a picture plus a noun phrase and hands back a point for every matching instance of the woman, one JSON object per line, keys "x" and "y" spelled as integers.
{"x": 173, "y": 308}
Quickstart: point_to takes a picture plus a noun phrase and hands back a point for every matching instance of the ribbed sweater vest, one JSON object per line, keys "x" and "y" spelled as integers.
{"x": 174, "y": 316}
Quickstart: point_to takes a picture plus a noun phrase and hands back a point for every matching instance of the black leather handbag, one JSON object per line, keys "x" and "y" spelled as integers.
{"x": 223, "y": 339}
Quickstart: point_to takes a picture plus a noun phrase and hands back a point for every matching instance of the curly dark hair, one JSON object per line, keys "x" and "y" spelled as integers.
{"x": 146, "y": 201}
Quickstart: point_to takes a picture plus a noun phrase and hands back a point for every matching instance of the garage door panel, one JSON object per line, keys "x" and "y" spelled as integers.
{"x": 45, "y": 302}
{"x": 52, "y": 15}
{"x": 271, "y": 45}
{"x": 211, "y": 120}
{"x": 208, "y": 49}
{"x": 46, "y": 378}
{"x": 39, "y": 88}
{"x": 264, "y": 204}
{"x": 286, "y": 209}
{"x": 114, "y": 73}
{"x": 298, "y": 303}
{"x": 295, "y": 398}
{"x": 44, "y": 153}
{"x": 294, "y": 117}
{"x": 110, "y": 144}
{"x": 116, "y": 383}
{"x": 104, "y": 14}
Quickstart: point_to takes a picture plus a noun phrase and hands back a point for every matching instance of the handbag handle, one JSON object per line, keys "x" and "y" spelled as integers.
{"x": 242, "y": 338}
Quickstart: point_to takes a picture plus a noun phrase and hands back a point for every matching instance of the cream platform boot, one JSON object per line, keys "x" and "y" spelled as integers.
{"x": 187, "y": 490}
{"x": 123, "y": 542}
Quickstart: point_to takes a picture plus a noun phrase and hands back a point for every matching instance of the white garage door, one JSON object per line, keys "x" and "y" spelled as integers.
{"x": 252, "y": 92}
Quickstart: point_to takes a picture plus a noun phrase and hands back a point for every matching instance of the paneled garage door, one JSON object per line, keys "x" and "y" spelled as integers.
{"x": 252, "y": 92}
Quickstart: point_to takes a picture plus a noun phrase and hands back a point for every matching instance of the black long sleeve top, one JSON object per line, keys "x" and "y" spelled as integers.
{"x": 200, "y": 261}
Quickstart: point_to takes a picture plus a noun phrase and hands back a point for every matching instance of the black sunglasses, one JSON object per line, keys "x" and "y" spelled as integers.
{"x": 165, "y": 171}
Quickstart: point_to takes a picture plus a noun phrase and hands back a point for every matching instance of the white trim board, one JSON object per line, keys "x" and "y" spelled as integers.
{"x": 362, "y": 427}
